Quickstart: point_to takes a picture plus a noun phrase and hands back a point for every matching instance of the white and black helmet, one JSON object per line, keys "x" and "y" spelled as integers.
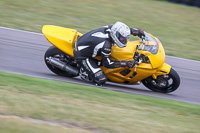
{"x": 120, "y": 34}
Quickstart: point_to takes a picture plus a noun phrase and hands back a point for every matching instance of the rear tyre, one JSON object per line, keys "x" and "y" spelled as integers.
{"x": 164, "y": 83}
{"x": 56, "y": 53}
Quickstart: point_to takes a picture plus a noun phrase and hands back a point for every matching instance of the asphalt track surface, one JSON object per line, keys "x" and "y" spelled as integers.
{"x": 22, "y": 52}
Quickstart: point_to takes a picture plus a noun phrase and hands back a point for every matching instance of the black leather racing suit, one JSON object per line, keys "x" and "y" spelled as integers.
{"x": 95, "y": 43}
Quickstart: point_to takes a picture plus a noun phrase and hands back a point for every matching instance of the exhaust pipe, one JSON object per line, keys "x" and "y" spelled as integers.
{"x": 61, "y": 65}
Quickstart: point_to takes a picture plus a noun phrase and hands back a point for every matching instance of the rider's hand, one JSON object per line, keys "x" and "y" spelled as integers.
{"x": 136, "y": 32}
{"x": 141, "y": 33}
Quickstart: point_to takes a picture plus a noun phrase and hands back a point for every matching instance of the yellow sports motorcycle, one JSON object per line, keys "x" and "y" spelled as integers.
{"x": 149, "y": 53}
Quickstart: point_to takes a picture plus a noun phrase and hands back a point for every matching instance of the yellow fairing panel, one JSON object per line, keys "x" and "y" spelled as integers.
{"x": 136, "y": 74}
{"x": 158, "y": 59}
{"x": 62, "y": 38}
{"x": 131, "y": 78}
{"x": 125, "y": 53}
{"x": 164, "y": 69}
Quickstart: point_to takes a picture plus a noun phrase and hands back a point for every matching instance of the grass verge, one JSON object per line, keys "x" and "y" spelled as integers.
{"x": 91, "y": 108}
{"x": 13, "y": 125}
{"x": 177, "y": 26}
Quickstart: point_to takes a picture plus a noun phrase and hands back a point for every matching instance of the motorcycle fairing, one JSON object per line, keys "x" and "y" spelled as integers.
{"x": 162, "y": 70}
{"x": 62, "y": 38}
{"x": 125, "y": 53}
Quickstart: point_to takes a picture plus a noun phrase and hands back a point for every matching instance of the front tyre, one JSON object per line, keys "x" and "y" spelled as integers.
{"x": 61, "y": 56}
{"x": 164, "y": 83}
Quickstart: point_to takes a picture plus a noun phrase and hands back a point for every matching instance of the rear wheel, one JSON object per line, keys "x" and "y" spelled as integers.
{"x": 56, "y": 53}
{"x": 164, "y": 83}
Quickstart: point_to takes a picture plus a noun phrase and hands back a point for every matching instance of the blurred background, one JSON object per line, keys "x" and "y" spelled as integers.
{"x": 176, "y": 25}
{"x": 187, "y": 2}
{"x": 33, "y": 105}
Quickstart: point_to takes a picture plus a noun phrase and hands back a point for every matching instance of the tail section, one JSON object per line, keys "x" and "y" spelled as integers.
{"x": 62, "y": 38}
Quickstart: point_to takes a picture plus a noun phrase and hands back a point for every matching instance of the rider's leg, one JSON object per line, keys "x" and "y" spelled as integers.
{"x": 90, "y": 66}
{"x": 94, "y": 72}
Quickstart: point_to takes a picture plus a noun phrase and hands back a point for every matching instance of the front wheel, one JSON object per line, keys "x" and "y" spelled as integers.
{"x": 164, "y": 83}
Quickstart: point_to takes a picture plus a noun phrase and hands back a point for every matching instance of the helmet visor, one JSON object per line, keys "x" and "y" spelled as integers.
{"x": 122, "y": 39}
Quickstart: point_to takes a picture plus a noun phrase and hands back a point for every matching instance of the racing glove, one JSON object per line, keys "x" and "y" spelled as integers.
{"x": 137, "y": 32}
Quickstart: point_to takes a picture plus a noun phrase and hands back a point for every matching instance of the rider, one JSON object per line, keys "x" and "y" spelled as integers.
{"x": 99, "y": 42}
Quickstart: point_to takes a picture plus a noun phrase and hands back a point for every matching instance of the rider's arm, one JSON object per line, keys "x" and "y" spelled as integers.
{"x": 106, "y": 58}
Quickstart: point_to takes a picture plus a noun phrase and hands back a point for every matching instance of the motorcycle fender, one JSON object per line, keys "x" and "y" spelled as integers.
{"x": 162, "y": 70}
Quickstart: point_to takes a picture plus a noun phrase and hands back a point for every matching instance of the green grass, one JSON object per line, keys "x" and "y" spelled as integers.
{"x": 90, "y": 108}
{"x": 12, "y": 124}
{"x": 177, "y": 26}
